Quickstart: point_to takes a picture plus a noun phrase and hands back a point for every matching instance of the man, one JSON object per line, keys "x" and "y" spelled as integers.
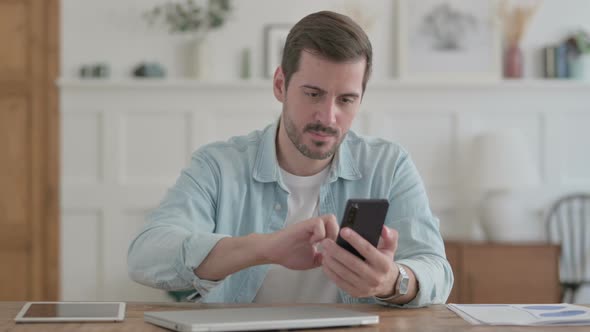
{"x": 254, "y": 219}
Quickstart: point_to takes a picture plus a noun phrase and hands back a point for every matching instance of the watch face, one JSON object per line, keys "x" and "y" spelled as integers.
{"x": 403, "y": 285}
{"x": 404, "y": 282}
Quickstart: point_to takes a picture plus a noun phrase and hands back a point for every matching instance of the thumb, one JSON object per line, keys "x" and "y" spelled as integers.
{"x": 388, "y": 240}
{"x": 317, "y": 231}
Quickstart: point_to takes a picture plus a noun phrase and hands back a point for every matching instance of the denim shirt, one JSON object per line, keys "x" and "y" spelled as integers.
{"x": 234, "y": 188}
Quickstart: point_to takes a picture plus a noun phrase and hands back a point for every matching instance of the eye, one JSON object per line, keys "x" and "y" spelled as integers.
{"x": 347, "y": 100}
{"x": 312, "y": 94}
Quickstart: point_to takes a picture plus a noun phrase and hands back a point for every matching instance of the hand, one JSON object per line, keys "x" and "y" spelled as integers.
{"x": 374, "y": 276}
{"x": 295, "y": 246}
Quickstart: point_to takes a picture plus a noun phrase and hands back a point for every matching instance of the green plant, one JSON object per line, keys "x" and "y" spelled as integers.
{"x": 582, "y": 42}
{"x": 188, "y": 16}
{"x": 578, "y": 43}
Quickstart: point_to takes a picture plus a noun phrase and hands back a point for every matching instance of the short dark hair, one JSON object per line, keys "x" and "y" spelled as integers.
{"x": 330, "y": 35}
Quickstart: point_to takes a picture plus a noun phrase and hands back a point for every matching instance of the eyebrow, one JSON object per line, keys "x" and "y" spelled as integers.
{"x": 348, "y": 94}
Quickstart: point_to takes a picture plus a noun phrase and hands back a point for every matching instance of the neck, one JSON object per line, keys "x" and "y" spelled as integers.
{"x": 293, "y": 161}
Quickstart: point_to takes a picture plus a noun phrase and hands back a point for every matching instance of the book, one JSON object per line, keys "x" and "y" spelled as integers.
{"x": 523, "y": 314}
{"x": 561, "y": 61}
{"x": 549, "y": 61}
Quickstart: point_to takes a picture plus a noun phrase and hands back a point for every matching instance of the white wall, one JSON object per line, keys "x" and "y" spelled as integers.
{"x": 102, "y": 207}
{"x": 113, "y": 31}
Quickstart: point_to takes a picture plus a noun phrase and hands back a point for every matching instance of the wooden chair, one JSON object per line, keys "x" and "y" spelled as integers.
{"x": 568, "y": 224}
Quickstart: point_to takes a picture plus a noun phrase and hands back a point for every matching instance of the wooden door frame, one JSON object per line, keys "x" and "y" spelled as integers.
{"x": 45, "y": 214}
{"x": 52, "y": 247}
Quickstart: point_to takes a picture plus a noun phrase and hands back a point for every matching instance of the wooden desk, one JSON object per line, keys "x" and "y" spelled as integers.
{"x": 432, "y": 319}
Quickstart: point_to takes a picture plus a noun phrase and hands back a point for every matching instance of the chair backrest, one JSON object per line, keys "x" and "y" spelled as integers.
{"x": 568, "y": 224}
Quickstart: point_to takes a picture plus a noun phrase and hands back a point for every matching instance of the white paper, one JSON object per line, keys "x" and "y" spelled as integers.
{"x": 523, "y": 314}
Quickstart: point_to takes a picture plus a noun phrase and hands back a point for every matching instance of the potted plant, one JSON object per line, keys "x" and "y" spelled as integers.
{"x": 579, "y": 48}
{"x": 196, "y": 20}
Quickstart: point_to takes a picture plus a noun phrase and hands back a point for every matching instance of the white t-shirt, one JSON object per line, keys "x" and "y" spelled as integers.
{"x": 282, "y": 285}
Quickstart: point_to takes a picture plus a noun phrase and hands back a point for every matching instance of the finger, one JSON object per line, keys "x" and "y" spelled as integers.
{"x": 341, "y": 283}
{"x": 364, "y": 247}
{"x": 353, "y": 263}
{"x": 387, "y": 246}
{"x": 388, "y": 240}
{"x": 343, "y": 271}
{"x": 318, "y": 258}
{"x": 318, "y": 230}
{"x": 331, "y": 225}
{"x": 351, "y": 268}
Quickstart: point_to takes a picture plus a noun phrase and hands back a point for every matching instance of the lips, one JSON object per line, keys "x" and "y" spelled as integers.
{"x": 320, "y": 135}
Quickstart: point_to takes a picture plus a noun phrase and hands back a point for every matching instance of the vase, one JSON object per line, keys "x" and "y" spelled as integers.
{"x": 198, "y": 58}
{"x": 580, "y": 67}
{"x": 513, "y": 62}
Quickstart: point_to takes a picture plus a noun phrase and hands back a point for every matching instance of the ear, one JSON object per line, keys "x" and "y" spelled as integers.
{"x": 278, "y": 85}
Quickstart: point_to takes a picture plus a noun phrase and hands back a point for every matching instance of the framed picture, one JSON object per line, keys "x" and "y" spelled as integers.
{"x": 449, "y": 40}
{"x": 275, "y": 36}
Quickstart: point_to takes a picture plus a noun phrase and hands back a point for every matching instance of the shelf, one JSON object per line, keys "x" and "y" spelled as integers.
{"x": 525, "y": 84}
{"x": 160, "y": 83}
{"x": 500, "y": 84}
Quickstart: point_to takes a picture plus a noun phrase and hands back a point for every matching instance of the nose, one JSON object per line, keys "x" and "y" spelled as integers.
{"x": 326, "y": 113}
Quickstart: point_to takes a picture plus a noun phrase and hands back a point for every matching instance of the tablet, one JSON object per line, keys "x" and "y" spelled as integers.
{"x": 38, "y": 312}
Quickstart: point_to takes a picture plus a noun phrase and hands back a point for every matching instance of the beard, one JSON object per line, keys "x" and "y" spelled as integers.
{"x": 296, "y": 138}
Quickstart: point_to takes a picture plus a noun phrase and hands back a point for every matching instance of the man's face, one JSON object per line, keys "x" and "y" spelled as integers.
{"x": 322, "y": 99}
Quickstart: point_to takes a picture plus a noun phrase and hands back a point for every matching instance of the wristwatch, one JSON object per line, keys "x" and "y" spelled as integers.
{"x": 402, "y": 282}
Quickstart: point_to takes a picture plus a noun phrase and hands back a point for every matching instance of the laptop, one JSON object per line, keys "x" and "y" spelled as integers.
{"x": 258, "y": 318}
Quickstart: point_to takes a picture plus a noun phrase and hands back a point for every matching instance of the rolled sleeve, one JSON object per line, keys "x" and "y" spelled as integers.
{"x": 180, "y": 233}
{"x": 434, "y": 286}
{"x": 194, "y": 251}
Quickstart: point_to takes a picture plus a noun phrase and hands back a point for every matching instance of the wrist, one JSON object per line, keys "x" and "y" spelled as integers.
{"x": 262, "y": 248}
{"x": 391, "y": 285}
{"x": 401, "y": 285}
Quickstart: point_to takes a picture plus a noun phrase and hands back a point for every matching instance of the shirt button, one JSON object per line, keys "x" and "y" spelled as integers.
{"x": 277, "y": 207}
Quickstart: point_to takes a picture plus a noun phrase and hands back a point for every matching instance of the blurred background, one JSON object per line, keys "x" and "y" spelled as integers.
{"x": 102, "y": 103}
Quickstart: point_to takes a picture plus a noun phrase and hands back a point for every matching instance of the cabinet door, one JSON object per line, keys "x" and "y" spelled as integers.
{"x": 453, "y": 252}
{"x": 510, "y": 274}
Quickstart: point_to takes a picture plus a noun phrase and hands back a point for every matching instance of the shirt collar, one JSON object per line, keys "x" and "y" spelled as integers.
{"x": 266, "y": 166}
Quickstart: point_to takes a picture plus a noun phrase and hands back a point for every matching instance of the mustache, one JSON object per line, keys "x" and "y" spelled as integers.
{"x": 318, "y": 127}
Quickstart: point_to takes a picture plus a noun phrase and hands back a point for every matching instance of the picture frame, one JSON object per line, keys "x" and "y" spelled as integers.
{"x": 448, "y": 40}
{"x": 275, "y": 36}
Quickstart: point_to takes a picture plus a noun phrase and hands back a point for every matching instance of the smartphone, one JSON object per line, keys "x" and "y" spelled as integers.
{"x": 366, "y": 217}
